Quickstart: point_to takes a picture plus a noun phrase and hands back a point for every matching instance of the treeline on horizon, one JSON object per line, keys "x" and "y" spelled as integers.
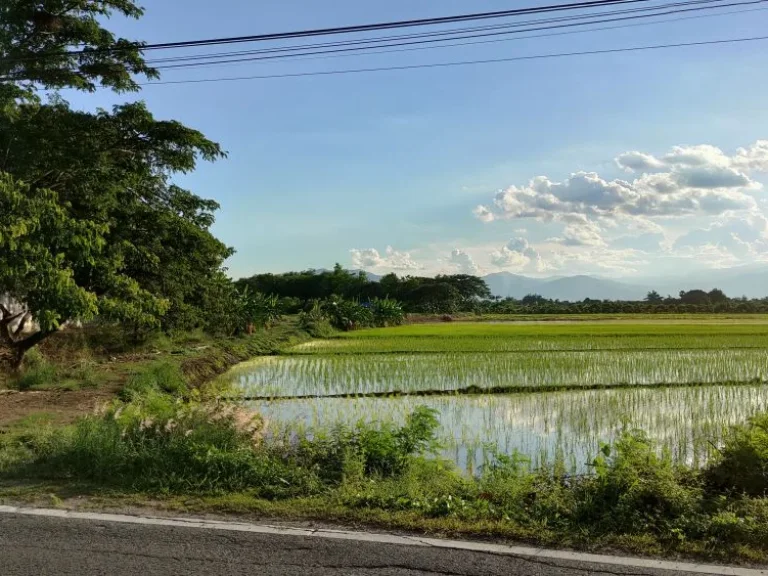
{"x": 451, "y": 294}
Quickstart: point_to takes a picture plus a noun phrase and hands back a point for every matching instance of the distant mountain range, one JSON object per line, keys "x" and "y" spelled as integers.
{"x": 572, "y": 288}
{"x": 750, "y": 281}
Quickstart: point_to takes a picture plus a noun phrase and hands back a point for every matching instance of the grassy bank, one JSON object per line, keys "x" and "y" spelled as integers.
{"x": 76, "y": 370}
{"x": 160, "y": 445}
{"x": 166, "y": 437}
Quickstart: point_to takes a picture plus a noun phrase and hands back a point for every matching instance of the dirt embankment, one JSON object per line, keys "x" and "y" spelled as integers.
{"x": 62, "y": 406}
{"x": 200, "y": 362}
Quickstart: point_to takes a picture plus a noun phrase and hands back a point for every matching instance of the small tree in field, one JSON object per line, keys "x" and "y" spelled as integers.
{"x": 654, "y": 297}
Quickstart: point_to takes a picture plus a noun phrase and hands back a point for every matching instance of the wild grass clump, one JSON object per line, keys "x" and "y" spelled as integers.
{"x": 160, "y": 438}
{"x": 742, "y": 464}
{"x": 384, "y": 450}
{"x": 163, "y": 377}
{"x": 159, "y": 444}
{"x": 633, "y": 495}
{"x": 36, "y": 372}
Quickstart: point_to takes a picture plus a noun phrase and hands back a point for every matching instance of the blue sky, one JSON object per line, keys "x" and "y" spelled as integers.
{"x": 428, "y": 171}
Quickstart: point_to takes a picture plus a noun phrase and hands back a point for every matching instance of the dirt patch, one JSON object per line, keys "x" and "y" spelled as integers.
{"x": 63, "y": 406}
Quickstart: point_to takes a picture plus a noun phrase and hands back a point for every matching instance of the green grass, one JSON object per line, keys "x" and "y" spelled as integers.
{"x": 516, "y": 337}
{"x": 637, "y": 499}
{"x": 685, "y": 485}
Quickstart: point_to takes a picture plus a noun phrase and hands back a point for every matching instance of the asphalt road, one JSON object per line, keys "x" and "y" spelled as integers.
{"x": 42, "y": 546}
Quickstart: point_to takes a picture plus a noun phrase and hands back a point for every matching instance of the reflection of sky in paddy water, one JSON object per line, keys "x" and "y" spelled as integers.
{"x": 359, "y": 374}
{"x": 545, "y": 426}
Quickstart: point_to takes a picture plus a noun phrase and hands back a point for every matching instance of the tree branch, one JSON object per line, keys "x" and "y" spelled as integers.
{"x": 21, "y": 325}
{"x": 21, "y": 347}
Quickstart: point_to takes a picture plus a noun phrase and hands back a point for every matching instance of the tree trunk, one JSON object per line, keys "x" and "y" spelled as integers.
{"x": 21, "y": 347}
{"x": 12, "y": 339}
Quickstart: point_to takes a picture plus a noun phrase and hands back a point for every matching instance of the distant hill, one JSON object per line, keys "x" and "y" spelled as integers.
{"x": 750, "y": 281}
{"x": 573, "y": 288}
{"x": 370, "y": 275}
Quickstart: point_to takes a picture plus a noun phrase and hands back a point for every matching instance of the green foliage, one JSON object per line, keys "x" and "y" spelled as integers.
{"x": 635, "y": 487}
{"x": 260, "y": 310}
{"x": 158, "y": 440}
{"x": 315, "y": 322}
{"x": 161, "y": 377}
{"x": 387, "y": 312}
{"x": 103, "y": 230}
{"x": 444, "y": 294}
{"x": 228, "y": 310}
{"x": 348, "y": 314}
{"x": 383, "y": 450}
{"x": 62, "y": 44}
{"x": 742, "y": 464}
{"x": 654, "y": 297}
{"x": 96, "y": 229}
{"x": 32, "y": 222}
{"x": 36, "y": 373}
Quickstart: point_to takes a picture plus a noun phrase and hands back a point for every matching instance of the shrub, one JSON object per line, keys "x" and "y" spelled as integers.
{"x": 742, "y": 464}
{"x": 384, "y": 451}
{"x": 387, "y": 312}
{"x": 315, "y": 321}
{"x": 636, "y": 490}
{"x": 36, "y": 372}
{"x": 160, "y": 377}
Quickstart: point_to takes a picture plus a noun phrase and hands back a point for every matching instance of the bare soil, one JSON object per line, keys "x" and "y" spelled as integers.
{"x": 61, "y": 405}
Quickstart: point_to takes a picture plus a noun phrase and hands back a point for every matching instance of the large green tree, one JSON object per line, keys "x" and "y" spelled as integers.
{"x": 90, "y": 195}
{"x": 63, "y": 44}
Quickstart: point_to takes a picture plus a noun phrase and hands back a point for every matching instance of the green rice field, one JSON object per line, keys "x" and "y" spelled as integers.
{"x": 552, "y": 391}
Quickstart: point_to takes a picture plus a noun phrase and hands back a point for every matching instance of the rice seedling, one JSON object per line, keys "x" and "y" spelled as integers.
{"x": 559, "y": 426}
{"x": 540, "y": 337}
{"x": 575, "y": 384}
{"x": 448, "y": 372}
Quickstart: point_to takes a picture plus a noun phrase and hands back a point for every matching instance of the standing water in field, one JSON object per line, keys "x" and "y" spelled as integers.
{"x": 574, "y": 385}
{"x": 565, "y": 426}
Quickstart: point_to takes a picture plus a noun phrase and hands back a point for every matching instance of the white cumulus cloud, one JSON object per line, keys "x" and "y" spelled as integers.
{"x": 694, "y": 181}
{"x": 741, "y": 237}
{"x": 687, "y": 180}
{"x": 517, "y": 254}
{"x": 463, "y": 262}
{"x": 392, "y": 259}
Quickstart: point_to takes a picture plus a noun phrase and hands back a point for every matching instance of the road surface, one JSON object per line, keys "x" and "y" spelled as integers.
{"x": 32, "y": 545}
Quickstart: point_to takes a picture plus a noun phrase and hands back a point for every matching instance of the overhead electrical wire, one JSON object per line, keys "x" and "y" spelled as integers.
{"x": 449, "y": 32}
{"x": 350, "y": 29}
{"x": 461, "y": 63}
{"x": 518, "y": 38}
{"x": 437, "y": 38}
{"x": 393, "y": 25}
{"x": 358, "y": 50}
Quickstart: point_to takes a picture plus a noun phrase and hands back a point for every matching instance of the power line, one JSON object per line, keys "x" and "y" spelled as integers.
{"x": 433, "y": 34}
{"x": 357, "y": 50}
{"x": 517, "y": 38}
{"x": 350, "y": 29}
{"x": 460, "y": 63}
{"x": 393, "y": 25}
